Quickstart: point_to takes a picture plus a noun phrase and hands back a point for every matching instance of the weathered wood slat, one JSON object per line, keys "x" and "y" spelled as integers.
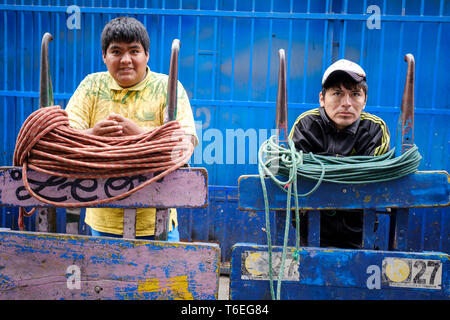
{"x": 56, "y": 266}
{"x": 368, "y": 229}
{"x": 314, "y": 228}
{"x": 421, "y": 189}
{"x": 129, "y": 223}
{"x": 328, "y": 273}
{"x": 183, "y": 188}
{"x": 162, "y": 224}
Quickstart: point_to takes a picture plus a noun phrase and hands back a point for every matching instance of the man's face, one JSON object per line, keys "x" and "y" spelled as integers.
{"x": 343, "y": 106}
{"x": 126, "y": 62}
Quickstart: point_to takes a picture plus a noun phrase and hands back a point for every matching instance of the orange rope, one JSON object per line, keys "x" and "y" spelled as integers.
{"x": 46, "y": 143}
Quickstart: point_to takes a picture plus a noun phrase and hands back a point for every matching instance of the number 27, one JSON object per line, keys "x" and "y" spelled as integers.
{"x": 423, "y": 266}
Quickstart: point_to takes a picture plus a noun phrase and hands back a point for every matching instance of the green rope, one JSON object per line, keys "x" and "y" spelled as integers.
{"x": 277, "y": 161}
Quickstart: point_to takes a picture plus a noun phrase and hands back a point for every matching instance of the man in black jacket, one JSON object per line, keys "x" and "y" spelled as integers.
{"x": 340, "y": 127}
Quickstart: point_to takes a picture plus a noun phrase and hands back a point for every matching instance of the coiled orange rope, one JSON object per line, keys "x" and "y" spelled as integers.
{"x": 46, "y": 143}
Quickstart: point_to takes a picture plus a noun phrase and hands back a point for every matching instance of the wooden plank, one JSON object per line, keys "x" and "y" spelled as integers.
{"x": 369, "y": 235}
{"x": 314, "y": 228}
{"x": 162, "y": 224}
{"x": 400, "y": 236}
{"x": 328, "y": 273}
{"x": 183, "y": 188}
{"x": 72, "y": 220}
{"x": 421, "y": 189}
{"x": 381, "y": 241}
{"x": 129, "y": 223}
{"x": 46, "y": 220}
{"x": 56, "y": 266}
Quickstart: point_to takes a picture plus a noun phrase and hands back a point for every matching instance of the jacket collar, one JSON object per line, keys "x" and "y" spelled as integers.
{"x": 331, "y": 127}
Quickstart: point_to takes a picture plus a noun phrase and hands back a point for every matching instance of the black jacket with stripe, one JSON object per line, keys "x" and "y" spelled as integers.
{"x": 314, "y": 132}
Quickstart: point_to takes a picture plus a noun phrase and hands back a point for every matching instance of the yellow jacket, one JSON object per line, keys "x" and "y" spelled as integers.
{"x": 99, "y": 95}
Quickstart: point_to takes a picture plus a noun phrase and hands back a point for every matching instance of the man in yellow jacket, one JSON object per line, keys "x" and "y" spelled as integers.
{"x": 128, "y": 99}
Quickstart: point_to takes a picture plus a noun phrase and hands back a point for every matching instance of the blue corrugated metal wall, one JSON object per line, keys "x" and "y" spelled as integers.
{"x": 229, "y": 66}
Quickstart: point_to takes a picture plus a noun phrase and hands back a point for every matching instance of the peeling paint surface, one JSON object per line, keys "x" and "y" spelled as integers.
{"x": 330, "y": 273}
{"x": 161, "y": 193}
{"x": 425, "y": 189}
{"x": 34, "y": 266}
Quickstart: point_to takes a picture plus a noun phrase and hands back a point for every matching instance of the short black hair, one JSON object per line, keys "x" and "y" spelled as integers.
{"x": 338, "y": 78}
{"x": 124, "y": 29}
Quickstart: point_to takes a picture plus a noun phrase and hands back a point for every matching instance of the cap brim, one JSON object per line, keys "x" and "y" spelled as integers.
{"x": 355, "y": 76}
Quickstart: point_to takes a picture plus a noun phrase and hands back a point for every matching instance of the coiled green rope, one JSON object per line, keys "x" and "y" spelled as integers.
{"x": 277, "y": 161}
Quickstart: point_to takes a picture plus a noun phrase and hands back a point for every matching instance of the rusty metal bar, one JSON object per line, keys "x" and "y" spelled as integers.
{"x": 46, "y": 217}
{"x": 162, "y": 215}
{"x": 407, "y": 106}
{"x": 281, "y": 111}
{"x": 400, "y": 216}
{"x": 45, "y": 88}
{"x": 173, "y": 81}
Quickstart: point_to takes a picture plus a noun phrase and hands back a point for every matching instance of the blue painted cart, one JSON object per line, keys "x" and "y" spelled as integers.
{"x": 383, "y": 269}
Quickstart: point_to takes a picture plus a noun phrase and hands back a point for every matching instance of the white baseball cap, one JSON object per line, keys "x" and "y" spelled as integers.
{"x": 347, "y": 66}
